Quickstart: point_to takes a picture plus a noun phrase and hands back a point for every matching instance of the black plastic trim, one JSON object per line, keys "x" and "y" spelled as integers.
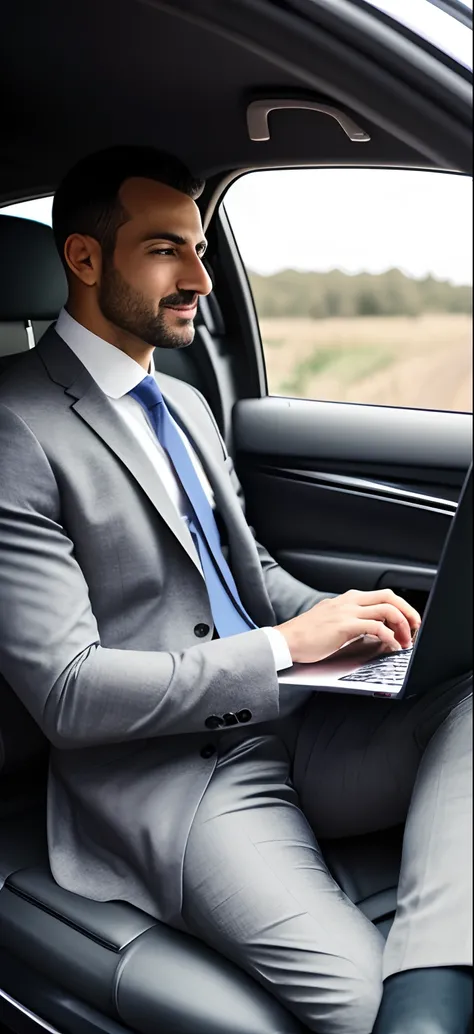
{"x": 361, "y": 486}
{"x": 349, "y": 431}
{"x": 306, "y": 516}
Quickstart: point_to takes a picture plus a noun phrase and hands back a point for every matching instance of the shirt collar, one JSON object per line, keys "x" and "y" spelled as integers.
{"x": 115, "y": 372}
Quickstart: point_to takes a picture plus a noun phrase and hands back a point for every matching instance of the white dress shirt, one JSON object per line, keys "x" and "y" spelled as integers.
{"x": 116, "y": 373}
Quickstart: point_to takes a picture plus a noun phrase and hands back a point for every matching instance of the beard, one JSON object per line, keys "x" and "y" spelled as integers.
{"x": 129, "y": 310}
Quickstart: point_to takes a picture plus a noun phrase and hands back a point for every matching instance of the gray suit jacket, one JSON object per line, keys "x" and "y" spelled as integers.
{"x": 99, "y": 597}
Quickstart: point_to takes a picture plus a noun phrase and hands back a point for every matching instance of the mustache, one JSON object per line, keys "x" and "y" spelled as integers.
{"x": 181, "y": 298}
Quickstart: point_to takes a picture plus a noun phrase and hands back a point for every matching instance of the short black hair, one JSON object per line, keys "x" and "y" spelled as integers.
{"x": 87, "y": 200}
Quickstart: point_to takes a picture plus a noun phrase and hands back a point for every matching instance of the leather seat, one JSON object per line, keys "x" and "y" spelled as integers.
{"x": 87, "y": 966}
{"x": 126, "y": 966}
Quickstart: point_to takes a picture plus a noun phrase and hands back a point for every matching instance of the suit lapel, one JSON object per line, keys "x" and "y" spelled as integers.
{"x": 92, "y": 406}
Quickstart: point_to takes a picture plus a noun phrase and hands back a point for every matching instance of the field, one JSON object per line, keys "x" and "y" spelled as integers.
{"x": 422, "y": 361}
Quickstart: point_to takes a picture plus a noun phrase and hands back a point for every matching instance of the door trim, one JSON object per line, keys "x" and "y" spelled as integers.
{"x": 365, "y": 487}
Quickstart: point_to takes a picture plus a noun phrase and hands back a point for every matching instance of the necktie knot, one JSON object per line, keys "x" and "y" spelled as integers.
{"x": 147, "y": 392}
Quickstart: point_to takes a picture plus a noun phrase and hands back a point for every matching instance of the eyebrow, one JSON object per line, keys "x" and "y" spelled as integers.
{"x": 173, "y": 238}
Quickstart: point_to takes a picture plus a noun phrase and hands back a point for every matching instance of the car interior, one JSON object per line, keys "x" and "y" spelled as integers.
{"x": 374, "y": 488}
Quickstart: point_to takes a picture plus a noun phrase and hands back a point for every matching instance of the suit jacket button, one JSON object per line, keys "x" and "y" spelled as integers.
{"x": 230, "y": 719}
{"x": 244, "y": 716}
{"x": 201, "y": 630}
{"x": 213, "y": 722}
{"x": 208, "y": 750}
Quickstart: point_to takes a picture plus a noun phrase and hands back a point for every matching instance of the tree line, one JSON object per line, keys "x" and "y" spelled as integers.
{"x": 292, "y": 293}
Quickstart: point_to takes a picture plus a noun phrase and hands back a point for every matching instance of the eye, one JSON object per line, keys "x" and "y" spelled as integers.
{"x": 162, "y": 251}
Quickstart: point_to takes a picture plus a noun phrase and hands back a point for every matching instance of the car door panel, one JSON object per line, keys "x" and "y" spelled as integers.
{"x": 350, "y": 495}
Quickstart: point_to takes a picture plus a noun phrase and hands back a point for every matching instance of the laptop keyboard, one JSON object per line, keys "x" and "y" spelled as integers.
{"x": 389, "y": 670}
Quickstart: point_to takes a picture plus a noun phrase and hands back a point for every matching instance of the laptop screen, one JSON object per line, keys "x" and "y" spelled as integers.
{"x": 445, "y": 644}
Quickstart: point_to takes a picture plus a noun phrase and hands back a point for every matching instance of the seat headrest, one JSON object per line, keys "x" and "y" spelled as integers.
{"x": 33, "y": 283}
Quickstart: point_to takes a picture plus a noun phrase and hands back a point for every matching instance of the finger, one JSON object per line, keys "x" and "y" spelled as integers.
{"x": 412, "y": 615}
{"x": 376, "y": 596}
{"x": 392, "y": 617}
{"x": 381, "y": 631}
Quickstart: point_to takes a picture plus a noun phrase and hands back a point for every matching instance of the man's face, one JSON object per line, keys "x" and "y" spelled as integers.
{"x": 150, "y": 287}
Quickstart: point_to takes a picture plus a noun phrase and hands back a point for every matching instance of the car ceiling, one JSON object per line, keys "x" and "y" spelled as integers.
{"x": 85, "y": 74}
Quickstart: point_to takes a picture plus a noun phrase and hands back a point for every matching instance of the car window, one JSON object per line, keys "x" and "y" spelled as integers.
{"x": 39, "y": 209}
{"x": 362, "y": 283}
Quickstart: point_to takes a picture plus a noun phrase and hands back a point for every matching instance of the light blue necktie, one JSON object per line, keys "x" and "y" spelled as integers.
{"x": 229, "y": 615}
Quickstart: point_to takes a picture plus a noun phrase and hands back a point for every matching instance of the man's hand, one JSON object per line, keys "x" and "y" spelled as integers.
{"x": 326, "y": 627}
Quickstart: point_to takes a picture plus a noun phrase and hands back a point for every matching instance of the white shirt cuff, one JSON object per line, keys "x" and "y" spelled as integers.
{"x": 280, "y": 648}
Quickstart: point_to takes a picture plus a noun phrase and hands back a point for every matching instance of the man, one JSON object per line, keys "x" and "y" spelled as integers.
{"x": 146, "y": 645}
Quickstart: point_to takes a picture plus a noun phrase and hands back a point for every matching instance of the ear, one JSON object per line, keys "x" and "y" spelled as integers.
{"x": 83, "y": 255}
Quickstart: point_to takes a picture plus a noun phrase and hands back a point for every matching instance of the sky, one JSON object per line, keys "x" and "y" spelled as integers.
{"x": 356, "y": 220}
{"x": 351, "y": 219}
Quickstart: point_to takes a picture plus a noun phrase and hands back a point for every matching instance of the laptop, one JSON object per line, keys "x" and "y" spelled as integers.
{"x": 443, "y": 646}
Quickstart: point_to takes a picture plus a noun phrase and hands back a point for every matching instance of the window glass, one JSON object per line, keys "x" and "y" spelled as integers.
{"x": 362, "y": 282}
{"x": 39, "y": 210}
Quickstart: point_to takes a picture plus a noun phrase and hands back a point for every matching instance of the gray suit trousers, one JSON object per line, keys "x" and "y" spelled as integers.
{"x": 255, "y": 883}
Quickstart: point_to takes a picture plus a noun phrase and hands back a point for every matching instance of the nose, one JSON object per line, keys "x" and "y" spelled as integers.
{"x": 195, "y": 277}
